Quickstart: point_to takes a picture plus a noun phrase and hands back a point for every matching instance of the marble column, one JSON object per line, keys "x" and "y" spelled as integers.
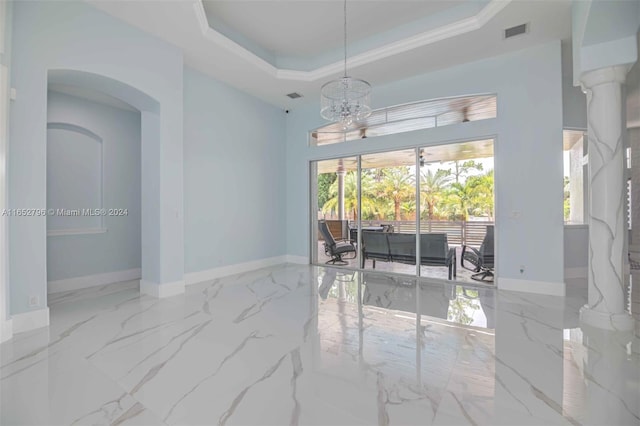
{"x": 607, "y": 225}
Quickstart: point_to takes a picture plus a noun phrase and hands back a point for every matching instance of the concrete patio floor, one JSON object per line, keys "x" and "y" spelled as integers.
{"x": 439, "y": 272}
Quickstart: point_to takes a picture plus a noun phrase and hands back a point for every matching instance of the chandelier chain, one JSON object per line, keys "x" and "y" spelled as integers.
{"x": 345, "y": 38}
{"x": 346, "y": 100}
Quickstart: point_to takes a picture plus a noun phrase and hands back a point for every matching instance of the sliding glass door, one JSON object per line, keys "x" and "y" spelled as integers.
{"x": 457, "y": 211}
{"x": 424, "y": 211}
{"x": 389, "y": 211}
{"x": 335, "y": 211}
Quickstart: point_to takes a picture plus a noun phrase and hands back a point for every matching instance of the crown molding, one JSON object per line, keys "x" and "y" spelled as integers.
{"x": 453, "y": 29}
{"x": 228, "y": 44}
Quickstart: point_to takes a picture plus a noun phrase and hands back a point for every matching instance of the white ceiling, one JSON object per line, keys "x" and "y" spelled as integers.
{"x": 311, "y": 27}
{"x": 185, "y": 24}
{"x": 471, "y": 150}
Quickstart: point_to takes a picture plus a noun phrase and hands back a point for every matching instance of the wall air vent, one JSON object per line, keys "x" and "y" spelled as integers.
{"x": 516, "y": 31}
{"x": 294, "y": 95}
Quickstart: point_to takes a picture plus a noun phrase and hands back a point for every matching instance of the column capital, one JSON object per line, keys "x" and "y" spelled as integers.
{"x": 614, "y": 74}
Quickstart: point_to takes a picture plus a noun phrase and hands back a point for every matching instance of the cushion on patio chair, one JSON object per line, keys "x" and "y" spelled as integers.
{"x": 333, "y": 248}
{"x": 482, "y": 258}
{"x": 402, "y": 248}
{"x": 375, "y": 247}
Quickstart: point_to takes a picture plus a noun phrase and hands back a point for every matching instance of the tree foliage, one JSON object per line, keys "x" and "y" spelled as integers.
{"x": 324, "y": 183}
{"x": 351, "y": 196}
{"x": 389, "y": 193}
{"x": 397, "y": 186}
{"x": 461, "y": 169}
{"x": 432, "y": 190}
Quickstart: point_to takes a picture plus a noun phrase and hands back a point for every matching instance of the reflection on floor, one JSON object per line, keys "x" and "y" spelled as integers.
{"x": 298, "y": 344}
{"x": 440, "y": 272}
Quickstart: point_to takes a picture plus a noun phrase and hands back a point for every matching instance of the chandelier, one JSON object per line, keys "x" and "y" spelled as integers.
{"x": 345, "y": 100}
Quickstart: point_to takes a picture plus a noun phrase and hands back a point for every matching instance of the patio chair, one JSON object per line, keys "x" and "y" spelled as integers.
{"x": 482, "y": 259}
{"x": 402, "y": 248}
{"x": 375, "y": 247}
{"x": 336, "y": 249}
{"x": 435, "y": 251}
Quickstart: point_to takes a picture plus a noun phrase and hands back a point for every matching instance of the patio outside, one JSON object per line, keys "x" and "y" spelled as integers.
{"x": 463, "y": 275}
{"x": 455, "y": 198}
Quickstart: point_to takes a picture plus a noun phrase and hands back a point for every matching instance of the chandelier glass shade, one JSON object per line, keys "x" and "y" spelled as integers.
{"x": 345, "y": 100}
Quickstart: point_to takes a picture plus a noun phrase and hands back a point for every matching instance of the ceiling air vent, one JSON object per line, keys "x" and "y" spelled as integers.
{"x": 294, "y": 95}
{"x": 515, "y": 31}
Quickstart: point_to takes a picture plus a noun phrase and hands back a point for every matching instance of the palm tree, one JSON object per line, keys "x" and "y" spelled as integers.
{"x": 383, "y": 210}
{"x": 459, "y": 198}
{"x": 481, "y": 191}
{"x": 474, "y": 196}
{"x": 351, "y": 195}
{"x": 432, "y": 188}
{"x": 462, "y": 168}
{"x": 398, "y": 184}
{"x": 408, "y": 209}
{"x": 324, "y": 182}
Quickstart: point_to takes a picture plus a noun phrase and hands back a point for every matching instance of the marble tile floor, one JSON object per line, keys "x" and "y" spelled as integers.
{"x": 295, "y": 344}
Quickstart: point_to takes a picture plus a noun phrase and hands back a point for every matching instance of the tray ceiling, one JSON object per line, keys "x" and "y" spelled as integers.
{"x": 450, "y": 35}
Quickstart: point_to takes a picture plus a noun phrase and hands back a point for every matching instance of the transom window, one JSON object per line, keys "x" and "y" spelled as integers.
{"x": 408, "y": 117}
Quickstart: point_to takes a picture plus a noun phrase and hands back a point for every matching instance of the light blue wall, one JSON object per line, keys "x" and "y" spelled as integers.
{"x": 151, "y": 186}
{"x": 5, "y": 59}
{"x": 119, "y": 248}
{"x": 528, "y": 153}
{"x": 74, "y": 176}
{"x": 574, "y": 105}
{"x": 604, "y": 34}
{"x": 76, "y": 36}
{"x": 574, "y": 101}
{"x": 576, "y": 243}
{"x": 611, "y": 20}
{"x": 246, "y": 167}
{"x": 234, "y": 175}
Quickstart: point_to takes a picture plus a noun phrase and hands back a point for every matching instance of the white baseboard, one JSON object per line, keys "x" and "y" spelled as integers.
{"x": 580, "y": 272}
{"x": 162, "y": 290}
{"x": 238, "y": 268}
{"x": 93, "y": 280}
{"x": 298, "y": 260}
{"x": 527, "y": 286}
{"x": 6, "y": 330}
{"x": 31, "y": 320}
